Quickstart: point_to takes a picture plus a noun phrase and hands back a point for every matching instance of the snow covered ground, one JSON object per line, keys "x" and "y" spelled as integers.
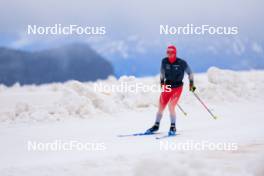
{"x": 74, "y": 111}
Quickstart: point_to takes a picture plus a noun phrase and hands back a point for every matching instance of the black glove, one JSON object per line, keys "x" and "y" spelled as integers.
{"x": 192, "y": 87}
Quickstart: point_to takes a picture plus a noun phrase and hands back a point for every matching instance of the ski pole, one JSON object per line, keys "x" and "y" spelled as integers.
{"x": 182, "y": 110}
{"x": 210, "y": 112}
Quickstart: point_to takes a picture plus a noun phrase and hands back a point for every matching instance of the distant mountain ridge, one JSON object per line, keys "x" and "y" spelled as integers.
{"x": 234, "y": 54}
{"x": 69, "y": 62}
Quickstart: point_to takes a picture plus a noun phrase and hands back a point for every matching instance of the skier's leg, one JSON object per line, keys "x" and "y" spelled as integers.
{"x": 172, "y": 104}
{"x": 163, "y": 101}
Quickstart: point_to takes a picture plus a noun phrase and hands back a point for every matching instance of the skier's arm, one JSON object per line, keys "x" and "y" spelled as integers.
{"x": 190, "y": 76}
{"x": 162, "y": 74}
{"x": 189, "y": 73}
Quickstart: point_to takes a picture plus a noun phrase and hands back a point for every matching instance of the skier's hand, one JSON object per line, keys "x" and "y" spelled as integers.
{"x": 192, "y": 87}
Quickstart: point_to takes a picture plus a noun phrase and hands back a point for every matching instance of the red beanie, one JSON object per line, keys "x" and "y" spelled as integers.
{"x": 173, "y": 49}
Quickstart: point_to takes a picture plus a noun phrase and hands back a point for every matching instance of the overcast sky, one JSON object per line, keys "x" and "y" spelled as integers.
{"x": 125, "y": 18}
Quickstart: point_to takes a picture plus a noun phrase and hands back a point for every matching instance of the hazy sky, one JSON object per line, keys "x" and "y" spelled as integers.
{"x": 126, "y": 18}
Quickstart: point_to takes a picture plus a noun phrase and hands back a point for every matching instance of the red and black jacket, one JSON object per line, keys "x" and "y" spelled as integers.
{"x": 173, "y": 73}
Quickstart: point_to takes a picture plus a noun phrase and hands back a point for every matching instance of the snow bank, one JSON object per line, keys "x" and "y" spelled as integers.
{"x": 75, "y": 99}
{"x": 230, "y": 86}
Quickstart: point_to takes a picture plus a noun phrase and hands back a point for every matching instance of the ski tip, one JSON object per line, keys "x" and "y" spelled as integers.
{"x": 166, "y": 136}
{"x": 121, "y": 135}
{"x": 137, "y": 134}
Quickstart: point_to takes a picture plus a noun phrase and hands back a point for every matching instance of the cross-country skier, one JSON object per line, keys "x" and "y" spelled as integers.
{"x": 171, "y": 80}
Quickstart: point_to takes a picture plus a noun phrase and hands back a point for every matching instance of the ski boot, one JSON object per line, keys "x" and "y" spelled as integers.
{"x": 172, "y": 131}
{"x": 153, "y": 129}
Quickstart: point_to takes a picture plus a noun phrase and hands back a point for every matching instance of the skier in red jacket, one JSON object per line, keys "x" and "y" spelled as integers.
{"x": 171, "y": 80}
